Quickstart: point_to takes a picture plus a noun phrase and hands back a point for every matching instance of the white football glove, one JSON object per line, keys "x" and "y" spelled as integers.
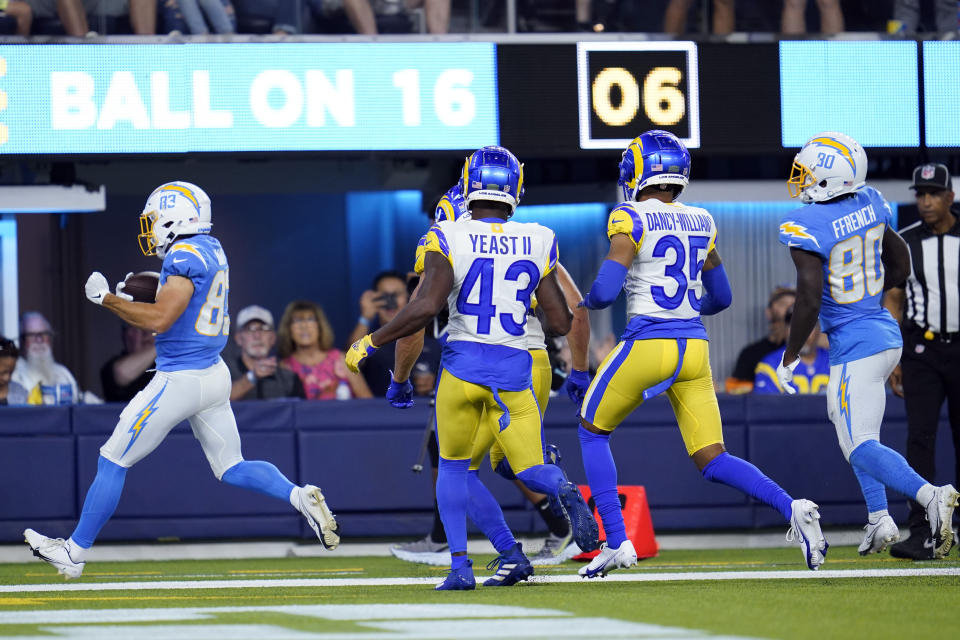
{"x": 96, "y": 287}
{"x": 785, "y": 375}
{"x": 119, "y": 290}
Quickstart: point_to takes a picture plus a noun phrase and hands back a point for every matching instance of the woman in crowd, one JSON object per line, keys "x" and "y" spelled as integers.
{"x": 10, "y": 392}
{"x": 305, "y": 346}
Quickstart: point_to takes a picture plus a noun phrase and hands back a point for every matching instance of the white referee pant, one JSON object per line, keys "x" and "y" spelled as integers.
{"x": 857, "y": 397}
{"x": 201, "y": 396}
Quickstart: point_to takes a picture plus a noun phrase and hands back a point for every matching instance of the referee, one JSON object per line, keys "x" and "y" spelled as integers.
{"x": 928, "y": 309}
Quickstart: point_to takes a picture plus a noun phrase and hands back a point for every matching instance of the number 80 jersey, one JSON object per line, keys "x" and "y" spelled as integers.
{"x": 497, "y": 266}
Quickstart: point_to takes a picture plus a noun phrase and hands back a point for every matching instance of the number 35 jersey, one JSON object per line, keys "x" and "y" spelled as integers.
{"x": 198, "y": 336}
{"x": 663, "y": 284}
{"x": 497, "y": 266}
{"x": 848, "y": 237}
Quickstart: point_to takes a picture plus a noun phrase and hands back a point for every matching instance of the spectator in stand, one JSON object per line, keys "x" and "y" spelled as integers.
{"x": 780, "y": 302}
{"x": 378, "y": 305}
{"x": 811, "y": 375}
{"x": 46, "y": 380}
{"x": 254, "y": 371}
{"x": 794, "y": 21}
{"x": 197, "y": 17}
{"x": 86, "y": 17}
{"x": 125, "y": 374}
{"x": 723, "y": 19}
{"x": 15, "y": 18}
{"x": 280, "y": 17}
{"x": 305, "y": 346}
{"x": 11, "y": 393}
{"x": 906, "y": 16}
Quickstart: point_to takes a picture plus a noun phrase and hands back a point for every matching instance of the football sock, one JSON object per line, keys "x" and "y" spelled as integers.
{"x": 261, "y": 477}
{"x": 874, "y": 493}
{"x": 558, "y": 525}
{"x": 452, "y": 500}
{"x": 738, "y": 473}
{"x": 100, "y": 503}
{"x": 602, "y": 476}
{"x": 458, "y": 561}
{"x": 887, "y": 466}
{"x": 483, "y": 510}
{"x": 437, "y": 534}
{"x": 543, "y": 478}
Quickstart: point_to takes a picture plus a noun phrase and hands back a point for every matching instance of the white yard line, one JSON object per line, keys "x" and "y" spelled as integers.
{"x": 627, "y": 576}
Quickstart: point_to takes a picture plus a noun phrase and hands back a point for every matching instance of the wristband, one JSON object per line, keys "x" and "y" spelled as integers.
{"x": 252, "y": 377}
{"x": 363, "y": 321}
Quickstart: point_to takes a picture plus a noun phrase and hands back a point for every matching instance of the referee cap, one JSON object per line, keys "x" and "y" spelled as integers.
{"x": 934, "y": 175}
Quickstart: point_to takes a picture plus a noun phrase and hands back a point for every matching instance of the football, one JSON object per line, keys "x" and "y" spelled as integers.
{"x": 142, "y": 286}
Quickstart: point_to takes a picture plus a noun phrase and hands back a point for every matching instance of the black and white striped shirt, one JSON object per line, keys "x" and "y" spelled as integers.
{"x": 933, "y": 287}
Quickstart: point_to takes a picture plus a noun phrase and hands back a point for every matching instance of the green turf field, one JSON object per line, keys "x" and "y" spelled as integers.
{"x": 680, "y": 594}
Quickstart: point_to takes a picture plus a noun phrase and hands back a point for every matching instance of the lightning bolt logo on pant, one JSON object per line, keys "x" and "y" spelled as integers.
{"x": 843, "y": 399}
{"x": 141, "y": 422}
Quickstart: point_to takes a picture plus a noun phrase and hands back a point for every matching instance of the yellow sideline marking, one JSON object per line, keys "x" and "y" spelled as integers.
{"x": 301, "y": 571}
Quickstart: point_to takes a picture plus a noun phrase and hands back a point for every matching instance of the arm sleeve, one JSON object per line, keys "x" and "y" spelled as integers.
{"x": 717, "y": 294}
{"x": 607, "y": 286}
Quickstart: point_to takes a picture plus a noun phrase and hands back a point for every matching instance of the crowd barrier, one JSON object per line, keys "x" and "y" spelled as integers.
{"x": 360, "y": 453}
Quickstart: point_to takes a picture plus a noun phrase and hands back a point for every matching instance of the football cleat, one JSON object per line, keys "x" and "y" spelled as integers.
{"x": 512, "y": 567}
{"x": 459, "y": 579}
{"x": 423, "y": 551}
{"x": 623, "y": 557}
{"x": 940, "y": 517}
{"x": 879, "y": 536}
{"x": 55, "y": 552}
{"x": 556, "y": 549}
{"x": 586, "y": 533}
{"x": 314, "y": 508}
{"x": 805, "y": 529}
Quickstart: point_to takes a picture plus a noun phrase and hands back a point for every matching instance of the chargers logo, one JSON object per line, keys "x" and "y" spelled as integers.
{"x": 142, "y": 418}
{"x": 795, "y": 230}
{"x": 841, "y": 148}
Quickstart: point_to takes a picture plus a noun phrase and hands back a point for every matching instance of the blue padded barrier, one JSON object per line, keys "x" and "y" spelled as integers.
{"x": 360, "y": 453}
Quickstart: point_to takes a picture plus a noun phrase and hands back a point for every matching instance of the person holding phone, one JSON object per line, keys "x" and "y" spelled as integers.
{"x": 379, "y": 305}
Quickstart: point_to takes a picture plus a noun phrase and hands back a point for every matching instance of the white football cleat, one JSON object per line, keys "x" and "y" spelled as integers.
{"x": 423, "y": 551}
{"x": 314, "y": 508}
{"x": 805, "y": 529}
{"x": 879, "y": 536}
{"x": 940, "y": 517}
{"x": 55, "y": 552}
{"x": 608, "y": 559}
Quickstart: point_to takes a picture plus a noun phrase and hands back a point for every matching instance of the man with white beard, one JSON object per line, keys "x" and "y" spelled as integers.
{"x": 46, "y": 380}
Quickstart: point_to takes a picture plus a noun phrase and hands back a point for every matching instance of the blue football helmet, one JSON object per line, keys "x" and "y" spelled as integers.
{"x": 654, "y": 157}
{"x": 452, "y": 206}
{"x": 493, "y": 173}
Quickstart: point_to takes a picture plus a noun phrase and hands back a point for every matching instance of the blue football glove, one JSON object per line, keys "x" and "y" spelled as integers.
{"x": 400, "y": 394}
{"x": 577, "y": 384}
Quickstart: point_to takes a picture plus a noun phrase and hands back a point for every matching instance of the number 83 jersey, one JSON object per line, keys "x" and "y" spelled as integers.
{"x": 497, "y": 266}
{"x": 848, "y": 237}
{"x": 197, "y": 337}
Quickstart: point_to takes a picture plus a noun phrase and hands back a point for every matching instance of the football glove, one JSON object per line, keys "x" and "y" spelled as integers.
{"x": 358, "y": 352}
{"x": 577, "y": 384}
{"x": 400, "y": 394}
{"x": 96, "y": 287}
{"x": 119, "y": 290}
{"x": 785, "y": 375}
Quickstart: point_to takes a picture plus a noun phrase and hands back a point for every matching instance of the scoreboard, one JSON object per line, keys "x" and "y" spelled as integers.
{"x": 538, "y": 98}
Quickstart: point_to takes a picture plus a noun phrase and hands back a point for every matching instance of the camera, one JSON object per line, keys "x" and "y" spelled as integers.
{"x": 389, "y": 301}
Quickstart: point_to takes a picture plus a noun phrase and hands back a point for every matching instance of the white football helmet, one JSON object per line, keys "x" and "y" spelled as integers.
{"x": 173, "y": 209}
{"x": 830, "y": 164}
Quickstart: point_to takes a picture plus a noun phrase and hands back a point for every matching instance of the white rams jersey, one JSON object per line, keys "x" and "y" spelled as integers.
{"x": 497, "y": 266}
{"x": 672, "y": 241}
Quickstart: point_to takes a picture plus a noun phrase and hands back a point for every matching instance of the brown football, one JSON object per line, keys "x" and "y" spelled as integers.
{"x": 142, "y": 286}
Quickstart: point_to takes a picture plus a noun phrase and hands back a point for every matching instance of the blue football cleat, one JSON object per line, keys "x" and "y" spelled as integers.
{"x": 460, "y": 579}
{"x": 512, "y": 567}
{"x": 586, "y": 533}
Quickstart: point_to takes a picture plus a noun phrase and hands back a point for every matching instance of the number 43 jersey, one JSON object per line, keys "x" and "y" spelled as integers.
{"x": 198, "y": 336}
{"x": 848, "y": 237}
{"x": 497, "y": 266}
